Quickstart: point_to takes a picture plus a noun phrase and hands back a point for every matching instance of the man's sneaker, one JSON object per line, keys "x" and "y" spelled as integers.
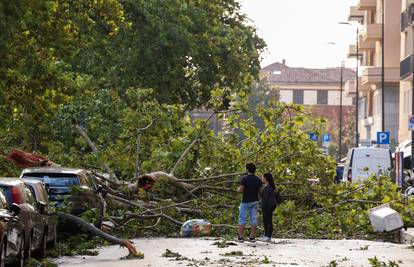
{"x": 252, "y": 239}
{"x": 264, "y": 239}
{"x": 240, "y": 239}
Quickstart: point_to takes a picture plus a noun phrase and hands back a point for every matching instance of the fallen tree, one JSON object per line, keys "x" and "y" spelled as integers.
{"x": 204, "y": 172}
{"x": 92, "y": 229}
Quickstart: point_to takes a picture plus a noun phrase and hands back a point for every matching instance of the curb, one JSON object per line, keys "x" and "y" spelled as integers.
{"x": 407, "y": 236}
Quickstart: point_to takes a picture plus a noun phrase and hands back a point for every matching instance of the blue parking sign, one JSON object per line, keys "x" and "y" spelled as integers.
{"x": 383, "y": 138}
{"x": 326, "y": 138}
{"x": 313, "y": 136}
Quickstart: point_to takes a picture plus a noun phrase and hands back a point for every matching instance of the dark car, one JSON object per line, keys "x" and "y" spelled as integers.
{"x": 11, "y": 233}
{"x": 60, "y": 181}
{"x": 41, "y": 195}
{"x": 17, "y": 192}
{"x": 339, "y": 173}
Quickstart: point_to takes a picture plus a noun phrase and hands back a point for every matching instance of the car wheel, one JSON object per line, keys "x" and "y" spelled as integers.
{"x": 28, "y": 248}
{"x": 20, "y": 254}
{"x": 20, "y": 258}
{"x": 53, "y": 243}
{"x": 2, "y": 255}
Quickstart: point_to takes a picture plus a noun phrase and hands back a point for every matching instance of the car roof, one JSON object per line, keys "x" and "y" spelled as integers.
{"x": 11, "y": 181}
{"x": 53, "y": 170}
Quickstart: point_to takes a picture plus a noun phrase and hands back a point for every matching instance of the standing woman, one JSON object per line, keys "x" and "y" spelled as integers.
{"x": 270, "y": 200}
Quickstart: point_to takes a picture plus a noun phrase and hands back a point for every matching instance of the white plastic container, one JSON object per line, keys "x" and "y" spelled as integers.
{"x": 385, "y": 219}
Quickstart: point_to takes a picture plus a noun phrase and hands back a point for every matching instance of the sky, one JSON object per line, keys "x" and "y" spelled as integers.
{"x": 300, "y": 31}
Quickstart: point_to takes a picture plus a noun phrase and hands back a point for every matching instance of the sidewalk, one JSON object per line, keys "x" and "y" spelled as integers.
{"x": 286, "y": 252}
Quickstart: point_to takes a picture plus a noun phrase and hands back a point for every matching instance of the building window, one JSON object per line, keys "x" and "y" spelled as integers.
{"x": 298, "y": 97}
{"x": 322, "y": 97}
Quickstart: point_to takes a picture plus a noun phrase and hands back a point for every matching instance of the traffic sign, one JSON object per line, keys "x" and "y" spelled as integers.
{"x": 313, "y": 136}
{"x": 326, "y": 138}
{"x": 411, "y": 123}
{"x": 383, "y": 138}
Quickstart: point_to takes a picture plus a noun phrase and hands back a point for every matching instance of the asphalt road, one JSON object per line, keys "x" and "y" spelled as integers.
{"x": 202, "y": 252}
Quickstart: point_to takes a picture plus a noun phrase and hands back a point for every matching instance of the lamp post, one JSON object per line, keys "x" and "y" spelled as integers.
{"x": 357, "y": 91}
{"x": 359, "y": 19}
{"x": 340, "y": 111}
{"x": 382, "y": 68}
{"x": 412, "y": 113}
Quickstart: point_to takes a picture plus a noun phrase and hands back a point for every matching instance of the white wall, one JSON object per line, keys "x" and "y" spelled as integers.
{"x": 310, "y": 97}
{"x": 286, "y": 96}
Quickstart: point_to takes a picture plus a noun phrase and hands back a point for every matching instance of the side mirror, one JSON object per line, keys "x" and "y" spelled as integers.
{"x": 41, "y": 206}
{"x": 15, "y": 209}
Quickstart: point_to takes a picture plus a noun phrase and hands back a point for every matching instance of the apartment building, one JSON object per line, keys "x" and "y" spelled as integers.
{"x": 406, "y": 67}
{"x": 369, "y": 14}
{"x": 316, "y": 89}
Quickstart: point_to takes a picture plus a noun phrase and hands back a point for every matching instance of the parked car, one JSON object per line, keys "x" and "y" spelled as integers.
{"x": 17, "y": 192}
{"x": 60, "y": 181}
{"x": 363, "y": 162}
{"x": 11, "y": 234}
{"x": 40, "y": 193}
{"x": 339, "y": 172}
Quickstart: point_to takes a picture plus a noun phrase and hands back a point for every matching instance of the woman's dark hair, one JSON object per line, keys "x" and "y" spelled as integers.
{"x": 269, "y": 178}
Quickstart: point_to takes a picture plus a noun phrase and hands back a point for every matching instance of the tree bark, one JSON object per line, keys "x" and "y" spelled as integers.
{"x": 90, "y": 228}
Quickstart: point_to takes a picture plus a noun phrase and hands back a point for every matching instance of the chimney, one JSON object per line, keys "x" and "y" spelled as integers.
{"x": 284, "y": 62}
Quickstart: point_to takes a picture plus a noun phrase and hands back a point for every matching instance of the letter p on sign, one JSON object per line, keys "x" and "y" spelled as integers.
{"x": 383, "y": 138}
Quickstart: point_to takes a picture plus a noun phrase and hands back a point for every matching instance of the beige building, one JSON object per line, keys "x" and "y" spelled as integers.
{"x": 406, "y": 67}
{"x": 369, "y": 15}
{"x": 319, "y": 90}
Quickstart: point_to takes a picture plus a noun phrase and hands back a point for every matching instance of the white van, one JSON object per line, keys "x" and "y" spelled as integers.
{"x": 362, "y": 162}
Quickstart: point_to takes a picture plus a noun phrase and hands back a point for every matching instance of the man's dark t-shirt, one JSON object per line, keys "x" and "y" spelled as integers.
{"x": 251, "y": 184}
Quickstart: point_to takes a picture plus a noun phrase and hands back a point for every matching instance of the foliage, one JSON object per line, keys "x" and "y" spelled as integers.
{"x": 266, "y": 260}
{"x": 38, "y": 38}
{"x": 169, "y": 254}
{"x": 59, "y": 57}
{"x": 79, "y": 244}
{"x": 375, "y": 262}
{"x": 43, "y": 263}
{"x": 181, "y": 49}
{"x": 233, "y": 253}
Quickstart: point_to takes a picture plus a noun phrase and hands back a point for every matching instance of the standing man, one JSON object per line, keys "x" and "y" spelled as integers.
{"x": 250, "y": 186}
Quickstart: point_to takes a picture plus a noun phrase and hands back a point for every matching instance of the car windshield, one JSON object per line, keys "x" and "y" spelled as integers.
{"x": 55, "y": 180}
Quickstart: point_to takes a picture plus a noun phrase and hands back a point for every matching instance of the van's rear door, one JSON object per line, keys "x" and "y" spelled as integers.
{"x": 369, "y": 161}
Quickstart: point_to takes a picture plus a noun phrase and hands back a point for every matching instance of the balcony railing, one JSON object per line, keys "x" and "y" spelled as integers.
{"x": 372, "y": 75}
{"x": 372, "y": 32}
{"x": 406, "y": 67}
{"x": 407, "y": 17}
{"x": 366, "y": 4}
{"x": 355, "y": 14}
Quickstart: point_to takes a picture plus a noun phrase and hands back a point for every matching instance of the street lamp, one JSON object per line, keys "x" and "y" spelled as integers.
{"x": 340, "y": 110}
{"x": 382, "y": 68}
{"x": 359, "y": 19}
{"x": 340, "y": 107}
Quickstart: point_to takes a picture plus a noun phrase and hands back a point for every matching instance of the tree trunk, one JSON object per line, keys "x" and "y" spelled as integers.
{"x": 90, "y": 228}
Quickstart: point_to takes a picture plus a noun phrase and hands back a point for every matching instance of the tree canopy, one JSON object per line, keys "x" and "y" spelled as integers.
{"x": 53, "y": 54}
{"x": 181, "y": 49}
